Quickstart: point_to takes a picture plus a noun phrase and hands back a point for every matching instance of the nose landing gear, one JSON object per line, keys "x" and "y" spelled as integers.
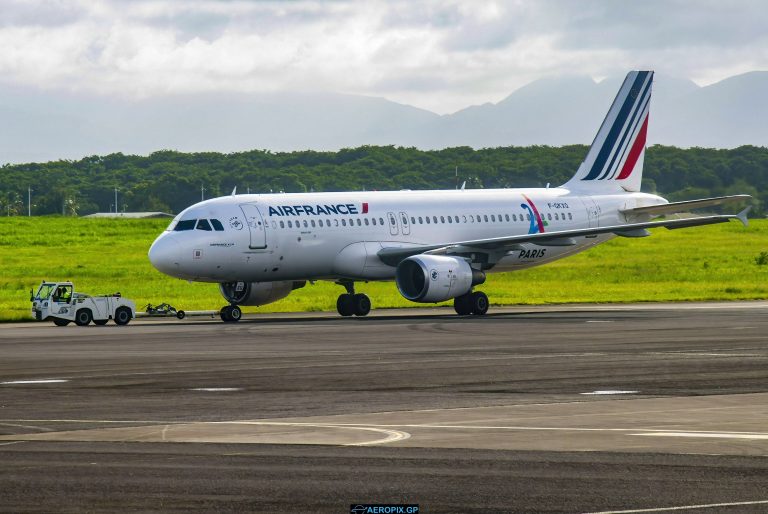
{"x": 352, "y": 303}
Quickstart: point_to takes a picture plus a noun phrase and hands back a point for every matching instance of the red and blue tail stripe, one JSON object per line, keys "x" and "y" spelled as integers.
{"x": 617, "y": 152}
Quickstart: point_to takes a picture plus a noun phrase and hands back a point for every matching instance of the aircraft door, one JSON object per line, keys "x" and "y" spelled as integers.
{"x": 392, "y": 223}
{"x": 405, "y": 224}
{"x": 593, "y": 211}
{"x": 255, "y": 225}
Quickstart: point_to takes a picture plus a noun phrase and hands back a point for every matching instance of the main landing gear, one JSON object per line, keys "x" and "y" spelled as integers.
{"x": 351, "y": 303}
{"x": 230, "y": 314}
{"x": 471, "y": 303}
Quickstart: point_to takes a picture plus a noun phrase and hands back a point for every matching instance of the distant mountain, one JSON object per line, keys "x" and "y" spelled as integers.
{"x": 40, "y": 125}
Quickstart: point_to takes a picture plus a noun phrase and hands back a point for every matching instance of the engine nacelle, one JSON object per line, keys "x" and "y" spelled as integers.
{"x": 257, "y": 293}
{"x": 435, "y": 278}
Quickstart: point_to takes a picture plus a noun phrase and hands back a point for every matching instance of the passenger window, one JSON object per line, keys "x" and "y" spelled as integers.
{"x": 486, "y": 218}
{"x": 336, "y": 222}
{"x": 570, "y": 216}
{"x": 320, "y": 223}
{"x": 464, "y": 218}
{"x": 471, "y": 218}
{"x": 450, "y": 220}
{"x": 306, "y": 224}
{"x": 185, "y": 225}
{"x": 434, "y": 220}
{"x": 367, "y": 222}
{"x": 282, "y": 224}
{"x": 514, "y": 217}
{"x": 343, "y": 222}
{"x": 506, "y": 217}
{"x": 549, "y": 216}
{"x": 381, "y": 221}
{"x": 313, "y": 223}
{"x": 421, "y": 220}
{"x": 203, "y": 224}
{"x": 493, "y": 218}
{"x": 413, "y": 220}
{"x": 359, "y": 223}
{"x": 217, "y": 226}
{"x": 427, "y": 219}
{"x": 442, "y": 219}
{"x": 290, "y": 224}
{"x": 373, "y": 220}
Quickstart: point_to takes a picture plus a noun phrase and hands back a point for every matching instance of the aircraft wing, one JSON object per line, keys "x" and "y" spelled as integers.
{"x": 393, "y": 255}
{"x": 675, "y": 207}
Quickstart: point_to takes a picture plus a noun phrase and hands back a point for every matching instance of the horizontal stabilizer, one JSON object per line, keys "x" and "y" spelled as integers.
{"x": 675, "y": 207}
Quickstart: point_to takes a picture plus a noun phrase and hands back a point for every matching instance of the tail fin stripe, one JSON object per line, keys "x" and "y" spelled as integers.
{"x": 637, "y": 148}
{"x": 633, "y": 132}
{"x": 618, "y": 124}
{"x": 629, "y": 130}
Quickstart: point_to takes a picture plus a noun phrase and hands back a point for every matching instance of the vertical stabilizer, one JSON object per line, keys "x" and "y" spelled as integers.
{"x": 615, "y": 159}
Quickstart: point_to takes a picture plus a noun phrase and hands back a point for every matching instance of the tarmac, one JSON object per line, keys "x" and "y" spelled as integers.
{"x": 596, "y": 408}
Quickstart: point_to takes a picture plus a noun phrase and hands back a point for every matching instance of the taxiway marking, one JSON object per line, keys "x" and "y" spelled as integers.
{"x": 683, "y": 507}
{"x": 715, "y": 435}
{"x": 40, "y": 381}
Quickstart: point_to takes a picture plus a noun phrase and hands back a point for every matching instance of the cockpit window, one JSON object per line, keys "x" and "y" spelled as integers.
{"x": 217, "y": 226}
{"x": 202, "y": 224}
{"x": 185, "y": 225}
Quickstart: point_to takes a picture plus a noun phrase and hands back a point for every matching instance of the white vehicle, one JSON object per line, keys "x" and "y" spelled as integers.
{"x": 59, "y": 302}
{"x": 436, "y": 245}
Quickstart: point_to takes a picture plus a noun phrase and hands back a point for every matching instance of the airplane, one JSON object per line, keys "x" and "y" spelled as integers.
{"x": 436, "y": 245}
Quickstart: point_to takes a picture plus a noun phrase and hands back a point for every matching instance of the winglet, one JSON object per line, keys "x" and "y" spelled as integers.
{"x": 743, "y": 216}
{"x": 234, "y": 191}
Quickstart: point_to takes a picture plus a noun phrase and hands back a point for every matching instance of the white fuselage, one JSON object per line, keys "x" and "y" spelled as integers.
{"x": 306, "y": 236}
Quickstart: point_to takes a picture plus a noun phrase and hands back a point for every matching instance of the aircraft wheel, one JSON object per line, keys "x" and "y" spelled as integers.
{"x": 345, "y": 304}
{"x": 231, "y": 314}
{"x": 83, "y": 317}
{"x": 123, "y": 316}
{"x": 361, "y": 304}
{"x": 60, "y": 322}
{"x": 480, "y": 303}
{"x": 100, "y": 322}
{"x": 463, "y": 304}
{"x": 180, "y": 314}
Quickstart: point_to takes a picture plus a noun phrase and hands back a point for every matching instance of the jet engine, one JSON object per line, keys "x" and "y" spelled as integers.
{"x": 435, "y": 278}
{"x": 257, "y": 293}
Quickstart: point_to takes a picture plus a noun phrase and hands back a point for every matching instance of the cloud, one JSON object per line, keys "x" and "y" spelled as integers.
{"x": 440, "y": 55}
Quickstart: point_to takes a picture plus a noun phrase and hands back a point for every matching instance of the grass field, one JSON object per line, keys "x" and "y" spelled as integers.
{"x": 103, "y": 256}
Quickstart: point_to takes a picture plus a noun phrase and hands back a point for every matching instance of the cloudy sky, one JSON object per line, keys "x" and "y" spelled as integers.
{"x": 439, "y": 55}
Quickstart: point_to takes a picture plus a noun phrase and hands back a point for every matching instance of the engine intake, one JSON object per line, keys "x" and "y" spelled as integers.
{"x": 257, "y": 293}
{"x": 435, "y": 278}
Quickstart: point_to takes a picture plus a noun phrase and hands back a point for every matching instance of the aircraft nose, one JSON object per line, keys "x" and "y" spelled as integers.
{"x": 164, "y": 254}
